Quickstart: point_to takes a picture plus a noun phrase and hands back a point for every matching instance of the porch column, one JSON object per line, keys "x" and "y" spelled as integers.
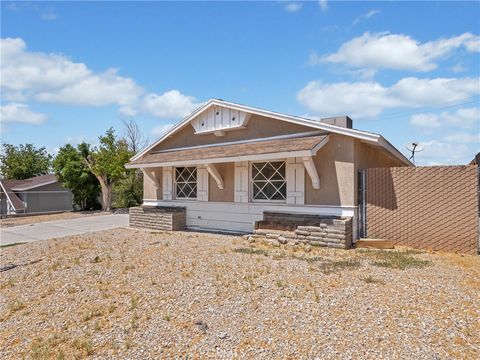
{"x": 152, "y": 183}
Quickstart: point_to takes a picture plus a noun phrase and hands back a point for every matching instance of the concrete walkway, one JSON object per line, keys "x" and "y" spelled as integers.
{"x": 59, "y": 228}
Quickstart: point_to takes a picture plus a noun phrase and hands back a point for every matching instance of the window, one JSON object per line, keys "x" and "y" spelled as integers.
{"x": 186, "y": 183}
{"x": 268, "y": 180}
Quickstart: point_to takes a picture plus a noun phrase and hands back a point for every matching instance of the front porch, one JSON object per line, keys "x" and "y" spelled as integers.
{"x": 233, "y": 191}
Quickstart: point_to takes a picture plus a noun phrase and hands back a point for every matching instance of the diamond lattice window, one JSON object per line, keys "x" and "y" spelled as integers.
{"x": 268, "y": 179}
{"x": 186, "y": 182}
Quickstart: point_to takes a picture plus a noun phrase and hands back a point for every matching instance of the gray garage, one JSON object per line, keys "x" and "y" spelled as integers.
{"x": 40, "y": 194}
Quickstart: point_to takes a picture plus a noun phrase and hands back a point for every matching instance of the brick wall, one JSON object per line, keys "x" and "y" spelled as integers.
{"x": 424, "y": 207}
{"x": 158, "y": 218}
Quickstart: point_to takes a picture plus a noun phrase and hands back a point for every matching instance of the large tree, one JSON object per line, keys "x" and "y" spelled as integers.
{"x": 107, "y": 163}
{"x": 70, "y": 167}
{"x": 23, "y": 161}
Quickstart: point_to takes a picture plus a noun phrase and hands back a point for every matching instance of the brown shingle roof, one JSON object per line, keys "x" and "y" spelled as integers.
{"x": 232, "y": 150}
{"x": 34, "y": 182}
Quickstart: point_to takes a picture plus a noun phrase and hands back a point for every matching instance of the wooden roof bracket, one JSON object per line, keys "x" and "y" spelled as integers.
{"x": 212, "y": 170}
{"x": 312, "y": 171}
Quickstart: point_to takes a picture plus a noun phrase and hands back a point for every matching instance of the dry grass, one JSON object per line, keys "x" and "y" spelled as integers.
{"x": 32, "y": 219}
{"x": 135, "y": 294}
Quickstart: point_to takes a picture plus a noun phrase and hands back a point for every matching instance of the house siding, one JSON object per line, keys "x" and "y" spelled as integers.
{"x": 367, "y": 157}
{"x": 150, "y": 191}
{"x": 335, "y": 167}
{"x": 257, "y": 127}
{"x": 226, "y": 194}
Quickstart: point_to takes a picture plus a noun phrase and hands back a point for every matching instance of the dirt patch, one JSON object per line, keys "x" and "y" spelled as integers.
{"x": 139, "y": 294}
{"x": 32, "y": 219}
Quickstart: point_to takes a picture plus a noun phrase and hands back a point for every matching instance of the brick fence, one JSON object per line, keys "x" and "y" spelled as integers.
{"x": 424, "y": 207}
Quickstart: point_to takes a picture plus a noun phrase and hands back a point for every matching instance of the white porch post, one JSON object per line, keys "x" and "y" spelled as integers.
{"x": 295, "y": 176}
{"x": 241, "y": 182}
{"x": 167, "y": 182}
{"x": 202, "y": 183}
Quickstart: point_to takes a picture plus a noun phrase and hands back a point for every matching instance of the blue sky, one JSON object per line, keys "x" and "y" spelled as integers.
{"x": 407, "y": 70}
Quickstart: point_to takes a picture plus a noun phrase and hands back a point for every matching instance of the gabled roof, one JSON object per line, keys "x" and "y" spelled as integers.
{"x": 34, "y": 182}
{"x": 11, "y": 186}
{"x": 365, "y": 136}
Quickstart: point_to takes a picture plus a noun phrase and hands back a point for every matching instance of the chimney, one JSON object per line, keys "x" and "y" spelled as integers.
{"x": 343, "y": 121}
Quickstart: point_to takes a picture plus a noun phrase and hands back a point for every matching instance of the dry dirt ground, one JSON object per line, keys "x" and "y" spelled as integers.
{"x": 134, "y": 294}
{"x": 24, "y": 220}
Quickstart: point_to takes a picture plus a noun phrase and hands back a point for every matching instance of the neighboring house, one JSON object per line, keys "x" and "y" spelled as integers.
{"x": 228, "y": 163}
{"x": 39, "y": 194}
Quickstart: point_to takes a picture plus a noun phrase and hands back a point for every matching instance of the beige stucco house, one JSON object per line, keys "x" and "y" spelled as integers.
{"x": 227, "y": 164}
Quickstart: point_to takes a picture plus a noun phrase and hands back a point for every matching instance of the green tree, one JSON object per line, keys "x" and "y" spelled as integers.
{"x": 129, "y": 190}
{"x": 73, "y": 172}
{"x": 24, "y": 161}
{"x": 107, "y": 163}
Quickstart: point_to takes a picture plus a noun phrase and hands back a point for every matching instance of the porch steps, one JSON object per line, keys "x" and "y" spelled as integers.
{"x": 375, "y": 244}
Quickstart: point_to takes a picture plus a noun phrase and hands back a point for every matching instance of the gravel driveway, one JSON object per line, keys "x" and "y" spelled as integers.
{"x": 135, "y": 294}
{"x": 54, "y": 229}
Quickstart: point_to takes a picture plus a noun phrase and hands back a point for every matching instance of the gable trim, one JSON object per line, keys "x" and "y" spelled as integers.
{"x": 358, "y": 134}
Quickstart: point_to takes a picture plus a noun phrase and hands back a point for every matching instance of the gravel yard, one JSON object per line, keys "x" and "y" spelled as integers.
{"x": 33, "y": 219}
{"x": 135, "y": 294}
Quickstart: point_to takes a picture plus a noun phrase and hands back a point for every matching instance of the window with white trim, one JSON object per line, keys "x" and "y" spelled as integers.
{"x": 268, "y": 181}
{"x": 185, "y": 182}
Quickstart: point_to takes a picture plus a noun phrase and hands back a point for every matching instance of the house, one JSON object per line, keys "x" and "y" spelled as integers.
{"x": 228, "y": 165}
{"x": 39, "y": 194}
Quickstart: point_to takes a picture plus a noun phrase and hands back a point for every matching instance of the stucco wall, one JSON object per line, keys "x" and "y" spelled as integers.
{"x": 149, "y": 189}
{"x": 335, "y": 167}
{"x": 226, "y": 170}
{"x": 257, "y": 127}
{"x": 52, "y": 197}
{"x": 370, "y": 156}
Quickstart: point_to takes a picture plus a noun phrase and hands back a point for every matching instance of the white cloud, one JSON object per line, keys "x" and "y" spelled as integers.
{"x": 464, "y": 138}
{"x": 463, "y": 118}
{"x": 95, "y": 90}
{"x": 55, "y": 79}
{"x": 466, "y": 117}
{"x": 159, "y": 130}
{"x": 366, "y": 16}
{"x": 323, "y": 5}
{"x": 369, "y": 99}
{"x": 20, "y": 113}
{"x": 436, "y": 152}
{"x": 425, "y": 120}
{"x": 293, "y": 7}
{"x": 171, "y": 104}
{"x": 398, "y": 51}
